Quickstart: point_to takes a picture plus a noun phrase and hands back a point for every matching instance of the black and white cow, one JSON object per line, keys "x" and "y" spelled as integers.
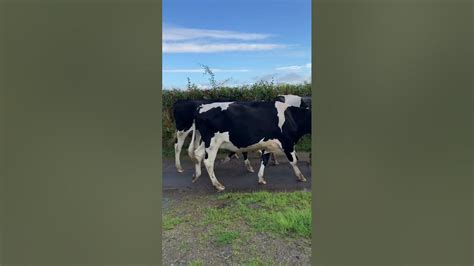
{"x": 183, "y": 112}
{"x": 247, "y": 126}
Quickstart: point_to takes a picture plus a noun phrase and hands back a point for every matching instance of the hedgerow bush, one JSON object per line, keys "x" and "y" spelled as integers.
{"x": 260, "y": 91}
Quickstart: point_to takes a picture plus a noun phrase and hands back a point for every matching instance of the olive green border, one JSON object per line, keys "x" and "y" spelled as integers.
{"x": 392, "y": 132}
{"x": 392, "y": 137}
{"x": 2, "y": 137}
{"x": 82, "y": 100}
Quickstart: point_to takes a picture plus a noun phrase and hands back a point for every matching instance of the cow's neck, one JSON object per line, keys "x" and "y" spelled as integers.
{"x": 302, "y": 118}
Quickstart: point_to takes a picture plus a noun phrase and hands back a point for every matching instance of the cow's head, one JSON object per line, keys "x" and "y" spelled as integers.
{"x": 302, "y": 117}
{"x": 306, "y": 102}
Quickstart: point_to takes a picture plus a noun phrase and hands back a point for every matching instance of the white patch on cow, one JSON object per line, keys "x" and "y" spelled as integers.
{"x": 271, "y": 145}
{"x": 226, "y": 143}
{"x": 280, "y": 107}
{"x": 296, "y": 170}
{"x": 209, "y": 106}
{"x": 211, "y": 151}
{"x": 261, "y": 170}
{"x": 180, "y": 137}
{"x": 260, "y": 174}
{"x": 293, "y": 100}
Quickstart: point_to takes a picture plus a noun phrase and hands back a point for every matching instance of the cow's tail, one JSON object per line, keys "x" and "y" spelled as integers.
{"x": 191, "y": 144}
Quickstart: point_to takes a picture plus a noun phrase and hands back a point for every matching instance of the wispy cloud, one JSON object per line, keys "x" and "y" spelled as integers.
{"x": 183, "y": 34}
{"x": 200, "y": 70}
{"x": 189, "y": 47}
{"x": 294, "y": 68}
{"x": 191, "y": 40}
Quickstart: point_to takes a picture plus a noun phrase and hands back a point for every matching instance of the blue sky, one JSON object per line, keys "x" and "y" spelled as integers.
{"x": 244, "y": 41}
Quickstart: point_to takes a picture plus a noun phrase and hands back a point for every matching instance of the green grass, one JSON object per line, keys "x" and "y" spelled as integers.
{"x": 196, "y": 263}
{"x": 282, "y": 213}
{"x": 170, "y": 222}
{"x": 237, "y": 220}
{"x": 225, "y": 237}
{"x": 304, "y": 144}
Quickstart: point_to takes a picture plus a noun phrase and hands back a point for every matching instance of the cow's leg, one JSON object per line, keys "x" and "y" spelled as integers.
{"x": 228, "y": 157}
{"x": 180, "y": 137}
{"x": 198, "y": 156}
{"x": 210, "y": 157}
{"x": 247, "y": 162}
{"x": 291, "y": 155}
{"x": 275, "y": 161}
{"x": 264, "y": 161}
{"x": 194, "y": 146}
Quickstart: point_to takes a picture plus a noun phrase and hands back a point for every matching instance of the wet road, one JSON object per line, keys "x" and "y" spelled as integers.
{"x": 235, "y": 177}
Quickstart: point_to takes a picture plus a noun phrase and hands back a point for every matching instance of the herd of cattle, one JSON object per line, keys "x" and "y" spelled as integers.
{"x": 264, "y": 126}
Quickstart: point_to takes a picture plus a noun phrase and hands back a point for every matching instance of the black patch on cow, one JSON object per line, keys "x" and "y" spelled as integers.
{"x": 306, "y": 102}
{"x": 280, "y": 99}
{"x": 184, "y": 110}
{"x": 265, "y": 158}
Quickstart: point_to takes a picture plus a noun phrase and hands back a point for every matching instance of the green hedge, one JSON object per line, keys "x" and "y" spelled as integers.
{"x": 259, "y": 91}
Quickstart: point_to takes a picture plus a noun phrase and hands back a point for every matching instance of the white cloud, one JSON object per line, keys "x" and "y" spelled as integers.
{"x": 191, "y": 47}
{"x": 182, "y": 34}
{"x": 192, "y": 40}
{"x": 293, "y": 78}
{"x": 294, "y": 68}
{"x": 200, "y": 70}
{"x": 289, "y": 68}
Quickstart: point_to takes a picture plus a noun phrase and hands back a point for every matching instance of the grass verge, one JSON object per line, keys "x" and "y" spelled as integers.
{"x": 170, "y": 222}
{"x": 236, "y": 226}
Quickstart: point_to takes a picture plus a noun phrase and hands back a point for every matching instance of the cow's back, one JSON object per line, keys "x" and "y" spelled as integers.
{"x": 184, "y": 110}
{"x": 246, "y": 122}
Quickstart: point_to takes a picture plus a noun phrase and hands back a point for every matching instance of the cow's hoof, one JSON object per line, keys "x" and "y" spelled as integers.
{"x": 250, "y": 170}
{"x": 262, "y": 182}
{"x": 220, "y": 188}
{"x": 180, "y": 170}
{"x": 276, "y": 163}
{"x": 302, "y": 179}
{"x": 195, "y": 178}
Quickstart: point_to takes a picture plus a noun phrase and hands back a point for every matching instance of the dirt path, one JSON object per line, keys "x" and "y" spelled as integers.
{"x": 234, "y": 176}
